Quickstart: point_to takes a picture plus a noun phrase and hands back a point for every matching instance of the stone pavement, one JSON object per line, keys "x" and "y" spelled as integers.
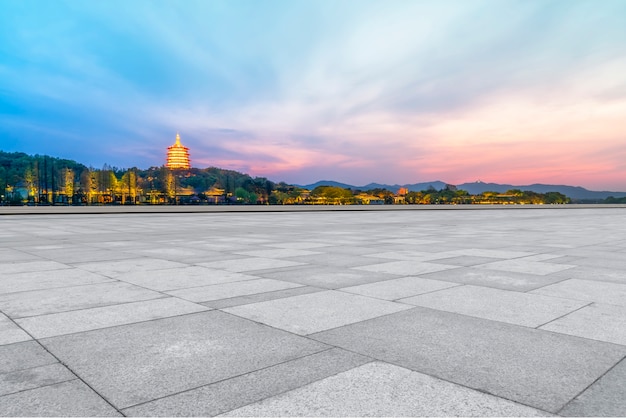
{"x": 501, "y": 312}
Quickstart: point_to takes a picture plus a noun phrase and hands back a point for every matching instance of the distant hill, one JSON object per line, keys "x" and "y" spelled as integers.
{"x": 438, "y": 185}
{"x": 573, "y": 192}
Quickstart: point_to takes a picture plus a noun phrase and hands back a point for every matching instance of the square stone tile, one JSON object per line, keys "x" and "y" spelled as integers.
{"x": 299, "y": 245}
{"x": 405, "y": 268}
{"x": 278, "y": 253}
{"x": 596, "y": 321}
{"x": 84, "y": 255}
{"x": 233, "y": 393}
{"x": 11, "y": 333}
{"x": 350, "y": 248}
{"x": 306, "y": 314}
{"x": 118, "y": 267}
{"x": 410, "y": 241}
{"x": 107, "y": 316}
{"x": 592, "y": 273}
{"x": 536, "y": 368}
{"x": 605, "y": 398}
{"x": 182, "y": 278}
{"x": 37, "y": 280}
{"x": 179, "y": 254}
{"x": 68, "y": 399}
{"x": 491, "y": 253}
{"x": 587, "y": 290}
{"x": 23, "y": 355}
{"x": 47, "y": 301}
{"x": 30, "y": 266}
{"x": 498, "y": 305}
{"x": 398, "y": 288}
{"x": 261, "y": 297}
{"x": 9, "y": 255}
{"x": 506, "y": 280}
{"x": 335, "y": 260}
{"x": 524, "y": 266}
{"x": 33, "y": 377}
{"x": 250, "y": 264}
{"x": 328, "y": 277}
{"x": 137, "y": 363}
{"x": 465, "y": 260}
{"x": 407, "y": 255}
{"x": 230, "y": 290}
{"x": 381, "y": 389}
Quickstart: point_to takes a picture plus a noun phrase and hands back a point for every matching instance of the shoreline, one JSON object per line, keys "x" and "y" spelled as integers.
{"x": 161, "y": 209}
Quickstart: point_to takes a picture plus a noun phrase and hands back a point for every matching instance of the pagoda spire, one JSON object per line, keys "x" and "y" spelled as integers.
{"x": 178, "y": 155}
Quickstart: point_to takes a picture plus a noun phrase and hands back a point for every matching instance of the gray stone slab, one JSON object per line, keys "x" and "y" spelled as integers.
{"x": 181, "y": 278}
{"x": 592, "y": 273}
{"x": 176, "y": 252}
{"x": 11, "y": 333}
{"x": 24, "y": 355}
{"x": 537, "y": 368}
{"x": 605, "y": 398}
{"x": 328, "y": 277}
{"x": 465, "y": 260}
{"x": 137, "y": 363}
{"x": 69, "y": 399}
{"x": 381, "y": 389}
{"x": 29, "y": 266}
{"x": 493, "y": 253}
{"x": 83, "y": 255}
{"x": 354, "y": 248}
{"x": 230, "y": 290}
{"x": 587, "y": 290}
{"x": 118, "y": 267}
{"x": 398, "y": 288}
{"x": 252, "y": 387}
{"x": 306, "y": 314}
{"x": 524, "y": 266}
{"x": 261, "y": 297}
{"x": 405, "y": 268}
{"x": 408, "y": 255}
{"x": 335, "y": 260}
{"x": 107, "y": 316}
{"x": 278, "y": 253}
{"x": 299, "y": 245}
{"x": 596, "y": 321}
{"x": 498, "y": 305}
{"x": 37, "y": 280}
{"x": 250, "y": 264}
{"x": 9, "y": 255}
{"x": 34, "y": 377}
{"x": 505, "y": 280}
{"x": 47, "y": 301}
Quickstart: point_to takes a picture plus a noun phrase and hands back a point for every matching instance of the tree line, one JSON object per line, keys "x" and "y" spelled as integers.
{"x": 43, "y": 180}
{"x": 48, "y": 180}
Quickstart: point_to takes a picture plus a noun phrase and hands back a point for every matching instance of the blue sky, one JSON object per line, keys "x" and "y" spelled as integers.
{"x": 355, "y": 91}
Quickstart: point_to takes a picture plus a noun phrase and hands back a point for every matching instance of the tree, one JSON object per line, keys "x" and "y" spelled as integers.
{"x": 69, "y": 184}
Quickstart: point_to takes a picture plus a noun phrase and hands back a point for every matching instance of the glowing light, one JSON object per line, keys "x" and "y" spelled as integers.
{"x": 178, "y": 156}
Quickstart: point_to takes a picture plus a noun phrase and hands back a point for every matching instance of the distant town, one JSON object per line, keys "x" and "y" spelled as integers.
{"x": 43, "y": 180}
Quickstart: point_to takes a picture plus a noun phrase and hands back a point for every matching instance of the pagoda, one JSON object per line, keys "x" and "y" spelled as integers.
{"x": 178, "y": 156}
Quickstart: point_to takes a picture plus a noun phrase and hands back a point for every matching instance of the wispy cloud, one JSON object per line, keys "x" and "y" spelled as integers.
{"x": 359, "y": 91}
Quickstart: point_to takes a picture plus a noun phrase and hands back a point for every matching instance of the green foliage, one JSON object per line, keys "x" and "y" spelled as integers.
{"x": 332, "y": 195}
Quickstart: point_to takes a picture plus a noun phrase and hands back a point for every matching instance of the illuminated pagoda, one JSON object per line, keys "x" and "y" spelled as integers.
{"x": 178, "y": 156}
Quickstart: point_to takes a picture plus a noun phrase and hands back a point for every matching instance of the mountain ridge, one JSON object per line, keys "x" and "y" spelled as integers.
{"x": 573, "y": 192}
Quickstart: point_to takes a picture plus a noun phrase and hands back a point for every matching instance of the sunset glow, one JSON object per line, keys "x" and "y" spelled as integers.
{"x": 394, "y": 92}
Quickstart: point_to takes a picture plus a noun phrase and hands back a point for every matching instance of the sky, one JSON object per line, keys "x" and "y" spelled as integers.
{"x": 357, "y": 91}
